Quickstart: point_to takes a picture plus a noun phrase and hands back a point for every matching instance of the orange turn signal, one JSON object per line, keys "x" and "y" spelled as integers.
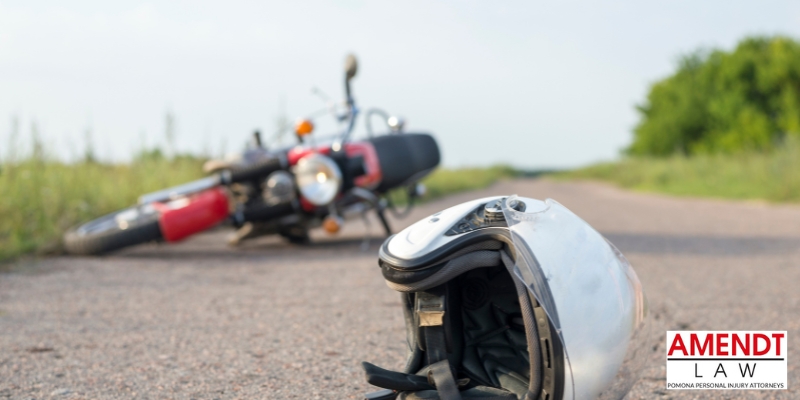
{"x": 303, "y": 127}
{"x": 332, "y": 224}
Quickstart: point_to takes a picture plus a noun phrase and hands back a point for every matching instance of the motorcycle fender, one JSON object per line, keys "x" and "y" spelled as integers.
{"x": 184, "y": 217}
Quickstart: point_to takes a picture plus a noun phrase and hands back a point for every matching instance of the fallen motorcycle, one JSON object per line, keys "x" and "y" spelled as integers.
{"x": 286, "y": 191}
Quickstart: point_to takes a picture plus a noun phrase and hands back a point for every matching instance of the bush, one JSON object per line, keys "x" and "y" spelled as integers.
{"x": 724, "y": 102}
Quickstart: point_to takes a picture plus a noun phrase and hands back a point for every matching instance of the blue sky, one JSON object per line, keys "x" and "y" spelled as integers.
{"x": 534, "y": 84}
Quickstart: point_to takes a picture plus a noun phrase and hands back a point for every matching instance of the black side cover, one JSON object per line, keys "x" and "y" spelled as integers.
{"x": 405, "y": 156}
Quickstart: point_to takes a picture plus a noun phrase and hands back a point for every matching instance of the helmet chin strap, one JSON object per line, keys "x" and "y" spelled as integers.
{"x": 430, "y": 315}
{"x": 442, "y": 377}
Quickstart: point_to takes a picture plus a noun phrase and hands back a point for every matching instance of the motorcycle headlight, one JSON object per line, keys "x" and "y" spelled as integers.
{"x": 318, "y": 179}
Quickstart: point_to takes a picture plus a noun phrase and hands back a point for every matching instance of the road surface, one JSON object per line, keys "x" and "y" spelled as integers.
{"x": 271, "y": 320}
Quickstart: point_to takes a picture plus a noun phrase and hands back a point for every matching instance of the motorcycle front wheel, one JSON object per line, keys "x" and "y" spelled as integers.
{"x": 128, "y": 227}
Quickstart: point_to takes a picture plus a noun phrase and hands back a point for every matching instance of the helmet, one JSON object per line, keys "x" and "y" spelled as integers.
{"x": 512, "y": 298}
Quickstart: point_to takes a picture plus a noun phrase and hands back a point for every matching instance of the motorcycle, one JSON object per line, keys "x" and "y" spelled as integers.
{"x": 287, "y": 191}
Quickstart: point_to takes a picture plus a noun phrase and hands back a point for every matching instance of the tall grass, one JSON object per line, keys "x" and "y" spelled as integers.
{"x": 41, "y": 198}
{"x": 773, "y": 176}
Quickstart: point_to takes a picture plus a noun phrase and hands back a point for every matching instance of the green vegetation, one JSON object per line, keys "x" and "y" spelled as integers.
{"x": 726, "y": 124}
{"x": 724, "y": 102}
{"x": 40, "y": 198}
{"x": 773, "y": 176}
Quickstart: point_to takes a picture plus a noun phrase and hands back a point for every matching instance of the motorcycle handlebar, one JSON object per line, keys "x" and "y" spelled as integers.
{"x": 351, "y": 67}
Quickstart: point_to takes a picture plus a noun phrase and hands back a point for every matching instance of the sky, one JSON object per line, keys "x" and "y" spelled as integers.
{"x": 533, "y": 84}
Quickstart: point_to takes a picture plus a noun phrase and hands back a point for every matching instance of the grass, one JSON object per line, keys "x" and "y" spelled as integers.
{"x": 773, "y": 176}
{"x": 40, "y": 199}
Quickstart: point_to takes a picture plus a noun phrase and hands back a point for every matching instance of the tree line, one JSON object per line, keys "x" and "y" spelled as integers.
{"x": 721, "y": 101}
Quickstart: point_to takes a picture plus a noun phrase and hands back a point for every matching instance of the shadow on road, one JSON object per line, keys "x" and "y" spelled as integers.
{"x": 702, "y": 245}
{"x": 257, "y": 249}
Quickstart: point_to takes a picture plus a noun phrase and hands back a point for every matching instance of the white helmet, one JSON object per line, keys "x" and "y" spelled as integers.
{"x": 512, "y": 298}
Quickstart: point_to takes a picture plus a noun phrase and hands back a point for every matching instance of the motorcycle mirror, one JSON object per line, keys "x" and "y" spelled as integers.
{"x": 350, "y": 66}
{"x": 257, "y": 139}
{"x": 396, "y": 124}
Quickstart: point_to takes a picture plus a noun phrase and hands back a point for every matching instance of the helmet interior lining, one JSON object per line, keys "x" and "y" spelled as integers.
{"x": 490, "y": 323}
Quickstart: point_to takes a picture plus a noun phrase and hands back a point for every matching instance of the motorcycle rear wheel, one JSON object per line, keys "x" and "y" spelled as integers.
{"x": 124, "y": 228}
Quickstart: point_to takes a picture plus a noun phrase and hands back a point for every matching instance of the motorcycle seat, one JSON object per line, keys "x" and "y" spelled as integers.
{"x": 405, "y": 158}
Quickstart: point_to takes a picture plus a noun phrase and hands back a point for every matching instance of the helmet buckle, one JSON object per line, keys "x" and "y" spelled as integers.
{"x": 429, "y": 309}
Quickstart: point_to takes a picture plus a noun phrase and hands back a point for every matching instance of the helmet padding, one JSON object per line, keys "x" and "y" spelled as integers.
{"x": 471, "y": 328}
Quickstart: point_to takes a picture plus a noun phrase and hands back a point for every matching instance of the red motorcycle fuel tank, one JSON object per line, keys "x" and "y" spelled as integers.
{"x": 184, "y": 217}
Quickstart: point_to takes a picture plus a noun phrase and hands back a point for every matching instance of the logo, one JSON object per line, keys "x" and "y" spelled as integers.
{"x": 726, "y": 360}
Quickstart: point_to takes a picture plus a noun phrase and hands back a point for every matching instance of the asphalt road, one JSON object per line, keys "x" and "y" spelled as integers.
{"x": 271, "y": 320}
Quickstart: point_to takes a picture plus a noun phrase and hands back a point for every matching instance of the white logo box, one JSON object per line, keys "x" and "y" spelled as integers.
{"x": 725, "y": 360}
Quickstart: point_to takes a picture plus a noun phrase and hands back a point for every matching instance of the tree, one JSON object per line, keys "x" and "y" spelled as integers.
{"x": 724, "y": 102}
